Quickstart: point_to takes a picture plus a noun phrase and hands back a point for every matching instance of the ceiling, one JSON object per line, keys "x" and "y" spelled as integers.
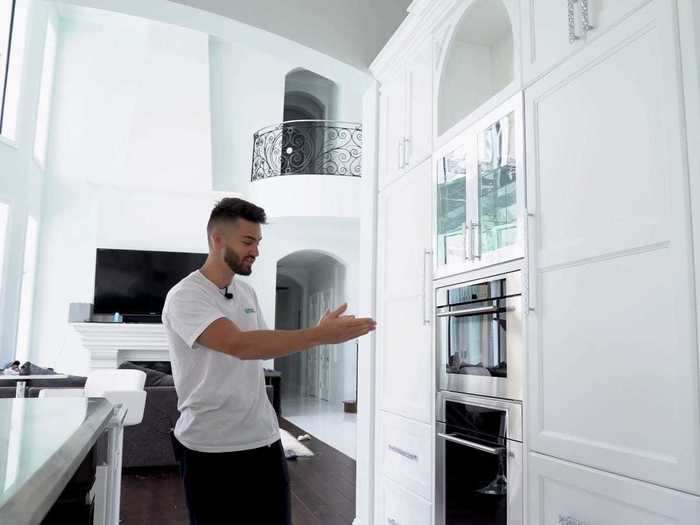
{"x": 351, "y": 31}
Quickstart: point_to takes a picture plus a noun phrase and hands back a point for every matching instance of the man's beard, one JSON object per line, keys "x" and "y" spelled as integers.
{"x": 234, "y": 262}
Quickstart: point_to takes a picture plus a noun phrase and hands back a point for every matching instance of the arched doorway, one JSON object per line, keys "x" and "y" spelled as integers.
{"x": 316, "y": 384}
{"x": 308, "y": 99}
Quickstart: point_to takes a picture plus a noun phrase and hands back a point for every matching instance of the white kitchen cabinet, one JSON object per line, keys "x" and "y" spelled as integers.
{"x": 479, "y": 193}
{"x": 401, "y": 507}
{"x": 553, "y": 30}
{"x": 612, "y": 348}
{"x": 419, "y": 98}
{"x": 392, "y": 122}
{"x": 567, "y": 494}
{"x": 403, "y": 296}
{"x": 406, "y": 453}
{"x": 406, "y": 116}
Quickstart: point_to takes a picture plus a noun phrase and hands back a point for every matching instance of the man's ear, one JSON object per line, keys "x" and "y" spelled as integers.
{"x": 215, "y": 239}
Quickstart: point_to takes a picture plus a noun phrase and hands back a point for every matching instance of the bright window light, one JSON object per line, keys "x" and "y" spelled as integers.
{"x": 4, "y": 215}
{"x": 13, "y": 33}
{"x": 41, "y": 139}
{"x": 27, "y": 293}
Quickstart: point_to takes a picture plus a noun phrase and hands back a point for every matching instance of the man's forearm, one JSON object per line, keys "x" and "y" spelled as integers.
{"x": 270, "y": 344}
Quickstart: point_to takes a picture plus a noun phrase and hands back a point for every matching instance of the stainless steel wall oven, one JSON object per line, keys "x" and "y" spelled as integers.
{"x": 479, "y": 337}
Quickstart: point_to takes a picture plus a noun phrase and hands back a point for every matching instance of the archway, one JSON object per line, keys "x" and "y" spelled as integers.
{"x": 478, "y": 62}
{"x": 317, "y": 383}
{"x": 309, "y": 99}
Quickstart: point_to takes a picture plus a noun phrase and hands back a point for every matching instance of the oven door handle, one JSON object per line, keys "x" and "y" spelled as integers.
{"x": 471, "y": 444}
{"x": 474, "y": 311}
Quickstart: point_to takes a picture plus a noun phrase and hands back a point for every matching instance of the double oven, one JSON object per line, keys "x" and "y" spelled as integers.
{"x": 479, "y": 448}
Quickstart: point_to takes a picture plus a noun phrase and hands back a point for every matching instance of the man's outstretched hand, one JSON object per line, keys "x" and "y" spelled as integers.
{"x": 334, "y": 327}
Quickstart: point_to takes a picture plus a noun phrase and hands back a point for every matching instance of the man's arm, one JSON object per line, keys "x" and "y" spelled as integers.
{"x": 224, "y": 336}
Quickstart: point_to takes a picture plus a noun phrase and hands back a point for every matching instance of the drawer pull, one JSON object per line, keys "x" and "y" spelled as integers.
{"x": 403, "y": 453}
{"x": 568, "y": 520}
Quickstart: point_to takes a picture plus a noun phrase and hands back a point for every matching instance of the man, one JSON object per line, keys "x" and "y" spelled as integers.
{"x": 233, "y": 464}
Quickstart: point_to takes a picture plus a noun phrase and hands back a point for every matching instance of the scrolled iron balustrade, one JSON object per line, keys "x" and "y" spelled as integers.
{"x": 307, "y": 147}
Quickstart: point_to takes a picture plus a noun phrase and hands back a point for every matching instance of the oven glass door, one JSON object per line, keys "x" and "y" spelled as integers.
{"x": 476, "y": 339}
{"x": 474, "y": 478}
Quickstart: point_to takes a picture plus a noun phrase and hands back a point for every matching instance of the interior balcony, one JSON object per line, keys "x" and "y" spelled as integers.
{"x": 308, "y": 168}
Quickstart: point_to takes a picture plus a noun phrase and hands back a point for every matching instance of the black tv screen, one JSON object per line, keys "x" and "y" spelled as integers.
{"x": 136, "y": 282}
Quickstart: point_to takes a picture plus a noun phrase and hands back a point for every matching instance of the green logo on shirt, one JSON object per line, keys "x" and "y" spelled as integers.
{"x": 250, "y": 310}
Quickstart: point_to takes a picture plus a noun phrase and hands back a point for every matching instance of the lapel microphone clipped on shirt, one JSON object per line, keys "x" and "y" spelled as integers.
{"x": 228, "y": 294}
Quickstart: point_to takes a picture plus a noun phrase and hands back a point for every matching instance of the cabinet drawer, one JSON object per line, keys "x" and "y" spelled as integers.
{"x": 403, "y": 508}
{"x": 565, "y": 493}
{"x": 406, "y": 454}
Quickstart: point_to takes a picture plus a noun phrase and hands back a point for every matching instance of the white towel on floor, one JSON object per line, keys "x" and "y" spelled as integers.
{"x": 292, "y": 447}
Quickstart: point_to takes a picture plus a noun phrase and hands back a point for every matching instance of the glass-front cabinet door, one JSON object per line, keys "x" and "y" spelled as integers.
{"x": 479, "y": 193}
{"x": 455, "y": 165}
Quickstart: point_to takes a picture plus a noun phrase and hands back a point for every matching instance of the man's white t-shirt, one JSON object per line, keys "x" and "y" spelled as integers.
{"x": 222, "y": 399}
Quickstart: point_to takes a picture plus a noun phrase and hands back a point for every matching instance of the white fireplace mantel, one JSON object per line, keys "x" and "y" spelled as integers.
{"x": 110, "y": 344}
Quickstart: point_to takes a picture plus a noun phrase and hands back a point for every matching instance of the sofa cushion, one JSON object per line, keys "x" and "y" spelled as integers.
{"x": 153, "y": 377}
{"x": 68, "y": 382}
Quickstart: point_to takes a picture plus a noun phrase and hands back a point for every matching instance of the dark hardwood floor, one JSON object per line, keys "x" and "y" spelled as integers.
{"x": 323, "y": 489}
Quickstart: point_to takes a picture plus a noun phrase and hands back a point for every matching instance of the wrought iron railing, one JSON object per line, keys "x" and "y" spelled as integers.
{"x": 307, "y": 147}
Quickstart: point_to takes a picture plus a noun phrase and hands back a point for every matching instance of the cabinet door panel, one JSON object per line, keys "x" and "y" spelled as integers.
{"x": 401, "y": 507}
{"x": 405, "y": 233}
{"x": 404, "y": 349}
{"x": 560, "y": 490}
{"x": 546, "y": 30}
{"x": 392, "y": 118}
{"x": 406, "y": 367}
{"x": 419, "y": 77}
{"x": 611, "y": 341}
{"x": 406, "y": 453}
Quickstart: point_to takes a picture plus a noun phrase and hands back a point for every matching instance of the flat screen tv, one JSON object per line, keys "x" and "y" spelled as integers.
{"x": 135, "y": 282}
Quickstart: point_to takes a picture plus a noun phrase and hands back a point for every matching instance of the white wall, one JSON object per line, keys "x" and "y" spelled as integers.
{"x": 250, "y": 96}
{"x": 129, "y": 162}
{"x": 248, "y": 93}
{"x": 148, "y": 119}
{"x": 21, "y": 179}
{"x": 132, "y": 104}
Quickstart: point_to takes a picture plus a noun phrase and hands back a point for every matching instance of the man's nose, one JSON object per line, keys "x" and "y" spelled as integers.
{"x": 255, "y": 252}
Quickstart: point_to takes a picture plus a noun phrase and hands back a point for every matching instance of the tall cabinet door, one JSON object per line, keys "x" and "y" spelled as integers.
{"x": 555, "y": 29}
{"x": 419, "y": 99}
{"x": 613, "y": 373}
{"x": 392, "y": 119}
{"x": 405, "y": 364}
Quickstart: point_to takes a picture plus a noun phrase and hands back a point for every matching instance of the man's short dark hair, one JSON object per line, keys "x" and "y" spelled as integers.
{"x": 230, "y": 209}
